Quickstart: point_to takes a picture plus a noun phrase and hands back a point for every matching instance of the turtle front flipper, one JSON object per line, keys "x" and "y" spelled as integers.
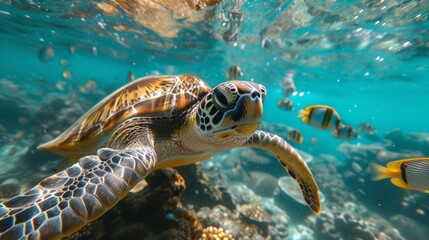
{"x": 65, "y": 202}
{"x": 293, "y": 163}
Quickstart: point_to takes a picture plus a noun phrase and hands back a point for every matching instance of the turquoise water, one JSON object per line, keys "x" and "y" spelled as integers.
{"x": 369, "y": 60}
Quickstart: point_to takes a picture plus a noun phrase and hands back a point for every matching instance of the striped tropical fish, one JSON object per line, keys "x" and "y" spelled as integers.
{"x": 295, "y": 136}
{"x": 411, "y": 173}
{"x": 346, "y": 133}
{"x": 321, "y": 117}
{"x": 234, "y": 72}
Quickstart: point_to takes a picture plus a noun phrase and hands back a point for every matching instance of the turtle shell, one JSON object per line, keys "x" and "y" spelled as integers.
{"x": 153, "y": 96}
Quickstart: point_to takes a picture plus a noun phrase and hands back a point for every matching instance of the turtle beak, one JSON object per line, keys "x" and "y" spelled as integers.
{"x": 247, "y": 128}
{"x": 246, "y": 117}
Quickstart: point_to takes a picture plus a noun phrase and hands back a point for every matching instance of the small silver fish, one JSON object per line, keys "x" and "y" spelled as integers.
{"x": 94, "y": 51}
{"x": 130, "y": 76}
{"x": 314, "y": 140}
{"x": 46, "y": 54}
{"x": 72, "y": 49}
{"x": 67, "y": 75}
{"x": 64, "y": 62}
{"x": 90, "y": 84}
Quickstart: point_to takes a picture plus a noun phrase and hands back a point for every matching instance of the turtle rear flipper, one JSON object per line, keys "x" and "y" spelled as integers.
{"x": 293, "y": 163}
{"x": 63, "y": 203}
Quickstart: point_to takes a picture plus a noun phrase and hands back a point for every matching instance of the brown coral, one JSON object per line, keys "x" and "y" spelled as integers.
{"x": 254, "y": 213}
{"x": 214, "y": 233}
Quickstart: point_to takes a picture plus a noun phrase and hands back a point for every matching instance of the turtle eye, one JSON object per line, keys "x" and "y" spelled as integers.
{"x": 223, "y": 98}
{"x": 263, "y": 91}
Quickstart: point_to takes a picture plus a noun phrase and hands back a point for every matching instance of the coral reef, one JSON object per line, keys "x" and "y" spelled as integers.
{"x": 331, "y": 183}
{"x": 54, "y": 115}
{"x": 409, "y": 227}
{"x": 236, "y": 196}
{"x": 254, "y": 218}
{"x": 414, "y": 141}
{"x": 352, "y": 222}
{"x": 344, "y": 219}
{"x": 416, "y": 206}
{"x": 248, "y": 224}
{"x": 255, "y": 215}
{"x": 202, "y": 191}
{"x": 357, "y": 171}
{"x": 154, "y": 213}
{"x": 301, "y": 232}
{"x": 214, "y": 233}
{"x": 221, "y": 217}
{"x": 17, "y": 110}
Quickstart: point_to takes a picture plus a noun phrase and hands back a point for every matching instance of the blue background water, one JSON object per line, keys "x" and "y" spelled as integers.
{"x": 367, "y": 59}
{"x": 397, "y": 99}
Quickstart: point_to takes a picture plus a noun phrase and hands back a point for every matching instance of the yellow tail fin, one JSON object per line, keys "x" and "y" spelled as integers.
{"x": 380, "y": 172}
{"x": 304, "y": 115}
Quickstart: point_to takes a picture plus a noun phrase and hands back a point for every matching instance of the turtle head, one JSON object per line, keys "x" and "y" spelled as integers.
{"x": 231, "y": 112}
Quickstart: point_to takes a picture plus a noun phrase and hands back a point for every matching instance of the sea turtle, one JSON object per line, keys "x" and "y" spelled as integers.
{"x": 151, "y": 123}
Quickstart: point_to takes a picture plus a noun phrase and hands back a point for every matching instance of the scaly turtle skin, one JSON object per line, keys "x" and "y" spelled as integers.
{"x": 151, "y": 123}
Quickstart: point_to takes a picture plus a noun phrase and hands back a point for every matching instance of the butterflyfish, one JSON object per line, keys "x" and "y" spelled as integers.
{"x": 345, "y": 132}
{"x": 367, "y": 128}
{"x": 295, "y": 136}
{"x": 321, "y": 117}
{"x": 411, "y": 173}
{"x": 285, "y": 104}
{"x": 234, "y": 72}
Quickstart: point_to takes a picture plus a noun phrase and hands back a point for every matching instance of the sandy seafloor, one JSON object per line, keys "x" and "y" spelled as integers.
{"x": 366, "y": 59}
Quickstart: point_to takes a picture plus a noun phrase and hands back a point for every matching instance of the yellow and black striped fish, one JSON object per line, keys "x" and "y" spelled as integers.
{"x": 345, "y": 132}
{"x": 321, "y": 117}
{"x": 411, "y": 173}
{"x": 295, "y": 136}
{"x": 234, "y": 72}
{"x": 367, "y": 128}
